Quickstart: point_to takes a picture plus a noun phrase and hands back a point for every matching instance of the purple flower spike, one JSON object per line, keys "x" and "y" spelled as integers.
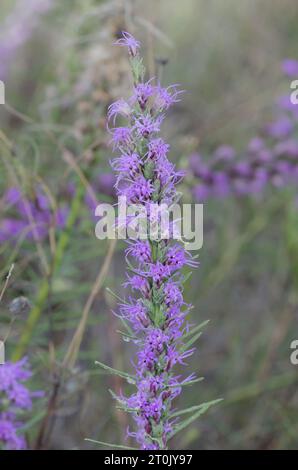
{"x": 154, "y": 309}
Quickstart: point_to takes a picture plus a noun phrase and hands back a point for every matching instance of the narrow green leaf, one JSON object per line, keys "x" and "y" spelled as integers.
{"x": 199, "y": 379}
{"x": 130, "y": 379}
{"x": 188, "y": 421}
{"x": 107, "y": 444}
{"x": 115, "y": 396}
{"x": 191, "y": 409}
{"x": 127, "y": 410}
{"x": 115, "y": 295}
{"x": 195, "y": 329}
{"x": 186, "y": 277}
{"x": 191, "y": 341}
{"x": 126, "y": 335}
{"x": 131, "y": 333}
{"x": 33, "y": 421}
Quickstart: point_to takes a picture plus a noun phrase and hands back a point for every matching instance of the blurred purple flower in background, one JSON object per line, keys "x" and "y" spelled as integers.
{"x": 17, "y": 29}
{"x": 32, "y": 217}
{"x": 290, "y": 67}
{"x": 15, "y": 397}
{"x": 270, "y": 159}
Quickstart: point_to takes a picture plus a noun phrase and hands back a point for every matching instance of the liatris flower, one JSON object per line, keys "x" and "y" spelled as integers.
{"x": 33, "y": 216}
{"x": 17, "y": 29}
{"x": 157, "y": 315}
{"x": 15, "y": 398}
{"x": 129, "y": 41}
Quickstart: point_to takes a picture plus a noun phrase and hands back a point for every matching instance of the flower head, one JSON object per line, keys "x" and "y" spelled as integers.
{"x": 166, "y": 97}
{"x": 119, "y": 108}
{"x": 130, "y": 42}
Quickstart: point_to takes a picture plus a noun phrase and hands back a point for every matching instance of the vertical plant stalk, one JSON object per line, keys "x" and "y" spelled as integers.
{"x": 72, "y": 352}
{"x": 155, "y": 316}
{"x": 291, "y": 230}
{"x": 44, "y": 289}
{"x": 74, "y": 347}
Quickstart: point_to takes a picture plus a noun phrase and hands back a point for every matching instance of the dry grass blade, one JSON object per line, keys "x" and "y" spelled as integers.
{"x": 6, "y": 282}
{"x": 74, "y": 347}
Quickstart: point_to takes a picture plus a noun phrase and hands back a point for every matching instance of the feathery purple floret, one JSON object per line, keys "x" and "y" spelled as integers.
{"x": 15, "y": 397}
{"x": 127, "y": 40}
{"x": 157, "y": 316}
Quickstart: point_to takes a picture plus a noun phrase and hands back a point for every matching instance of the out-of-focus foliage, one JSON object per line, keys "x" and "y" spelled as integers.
{"x": 53, "y": 137}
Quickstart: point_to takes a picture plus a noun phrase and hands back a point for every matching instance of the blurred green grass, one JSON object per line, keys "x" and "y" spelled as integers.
{"x": 227, "y": 56}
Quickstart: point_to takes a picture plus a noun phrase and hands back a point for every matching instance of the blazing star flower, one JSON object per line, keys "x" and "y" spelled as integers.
{"x": 142, "y": 93}
{"x": 119, "y": 108}
{"x": 138, "y": 283}
{"x": 14, "y": 398}
{"x": 146, "y": 125}
{"x": 157, "y": 311}
{"x": 130, "y": 42}
{"x": 121, "y": 137}
{"x": 127, "y": 164}
{"x": 166, "y": 97}
{"x": 140, "y": 250}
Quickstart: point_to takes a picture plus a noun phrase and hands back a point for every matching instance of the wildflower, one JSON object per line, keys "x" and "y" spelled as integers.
{"x": 157, "y": 149}
{"x": 137, "y": 282}
{"x": 120, "y": 107}
{"x": 166, "y": 97}
{"x": 140, "y": 250}
{"x": 127, "y": 164}
{"x": 142, "y": 93}
{"x": 121, "y": 137}
{"x": 157, "y": 314}
{"x": 146, "y": 125}
{"x": 127, "y": 40}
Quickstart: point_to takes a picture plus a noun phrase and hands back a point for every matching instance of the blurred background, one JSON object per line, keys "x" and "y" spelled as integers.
{"x": 61, "y": 72}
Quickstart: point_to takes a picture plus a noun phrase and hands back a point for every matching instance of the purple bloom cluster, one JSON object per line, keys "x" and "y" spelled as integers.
{"x": 15, "y": 397}
{"x": 17, "y": 29}
{"x": 32, "y": 217}
{"x": 157, "y": 316}
{"x": 271, "y": 158}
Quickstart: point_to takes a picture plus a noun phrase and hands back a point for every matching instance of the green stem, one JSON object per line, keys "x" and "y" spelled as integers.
{"x": 251, "y": 391}
{"x": 291, "y": 240}
{"x": 44, "y": 288}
